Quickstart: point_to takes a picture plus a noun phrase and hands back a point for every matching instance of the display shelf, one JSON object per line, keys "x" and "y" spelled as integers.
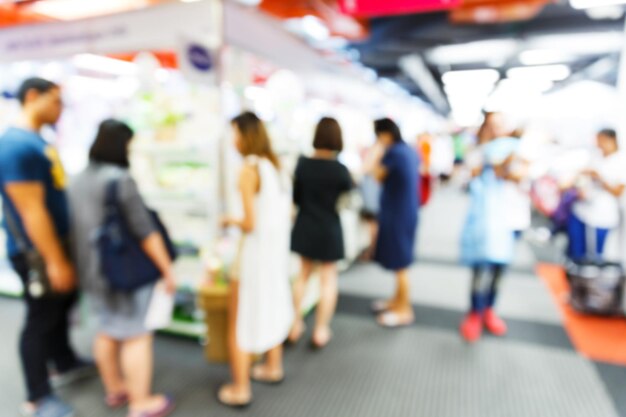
{"x": 192, "y": 153}
{"x": 186, "y": 329}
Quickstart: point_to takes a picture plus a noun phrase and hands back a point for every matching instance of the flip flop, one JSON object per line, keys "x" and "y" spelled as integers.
{"x": 393, "y": 320}
{"x": 259, "y": 375}
{"x": 115, "y": 401}
{"x": 164, "y": 411}
{"x": 226, "y": 397}
{"x": 293, "y": 342}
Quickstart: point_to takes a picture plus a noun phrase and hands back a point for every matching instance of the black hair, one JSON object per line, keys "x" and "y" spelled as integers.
{"x": 111, "y": 144}
{"x": 609, "y": 133}
{"x": 388, "y": 126}
{"x": 38, "y": 84}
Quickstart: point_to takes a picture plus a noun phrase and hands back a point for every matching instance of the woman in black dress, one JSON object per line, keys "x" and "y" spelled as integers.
{"x": 317, "y": 235}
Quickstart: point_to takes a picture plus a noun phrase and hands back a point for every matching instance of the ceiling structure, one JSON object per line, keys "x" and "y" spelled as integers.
{"x": 414, "y": 44}
{"x": 564, "y": 34}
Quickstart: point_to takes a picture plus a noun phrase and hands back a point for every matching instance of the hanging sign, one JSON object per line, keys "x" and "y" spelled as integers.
{"x": 152, "y": 28}
{"x": 372, "y": 8}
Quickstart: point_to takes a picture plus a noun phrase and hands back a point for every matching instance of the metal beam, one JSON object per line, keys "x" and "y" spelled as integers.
{"x": 415, "y": 67}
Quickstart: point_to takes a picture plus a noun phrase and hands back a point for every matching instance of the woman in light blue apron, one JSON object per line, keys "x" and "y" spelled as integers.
{"x": 488, "y": 241}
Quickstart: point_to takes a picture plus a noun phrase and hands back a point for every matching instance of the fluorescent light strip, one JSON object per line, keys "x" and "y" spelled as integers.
{"x": 588, "y": 4}
{"x": 471, "y": 77}
{"x": 544, "y": 57}
{"x": 545, "y": 72}
{"x": 479, "y": 51}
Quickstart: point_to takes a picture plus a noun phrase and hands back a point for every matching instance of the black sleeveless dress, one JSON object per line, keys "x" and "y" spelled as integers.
{"x": 318, "y": 184}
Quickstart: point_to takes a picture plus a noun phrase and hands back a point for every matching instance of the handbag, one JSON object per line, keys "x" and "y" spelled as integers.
{"x": 37, "y": 283}
{"x": 562, "y": 214}
{"x": 545, "y": 195}
{"x": 596, "y": 287}
{"x": 123, "y": 262}
{"x": 425, "y": 189}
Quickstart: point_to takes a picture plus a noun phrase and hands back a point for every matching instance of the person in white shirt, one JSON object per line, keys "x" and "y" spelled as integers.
{"x": 597, "y": 211}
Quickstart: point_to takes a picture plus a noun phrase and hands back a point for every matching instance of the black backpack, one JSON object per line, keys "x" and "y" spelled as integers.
{"x": 123, "y": 261}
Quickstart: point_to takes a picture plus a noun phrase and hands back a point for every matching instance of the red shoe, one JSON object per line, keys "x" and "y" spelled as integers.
{"x": 495, "y": 324}
{"x": 472, "y": 327}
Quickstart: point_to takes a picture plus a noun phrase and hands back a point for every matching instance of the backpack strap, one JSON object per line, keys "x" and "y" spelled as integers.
{"x": 110, "y": 196}
{"x": 11, "y": 222}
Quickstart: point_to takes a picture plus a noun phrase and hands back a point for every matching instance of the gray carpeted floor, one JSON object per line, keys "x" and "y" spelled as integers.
{"x": 368, "y": 372}
{"x": 424, "y": 370}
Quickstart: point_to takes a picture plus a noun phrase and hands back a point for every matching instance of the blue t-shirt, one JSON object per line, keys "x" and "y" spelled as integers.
{"x": 26, "y": 157}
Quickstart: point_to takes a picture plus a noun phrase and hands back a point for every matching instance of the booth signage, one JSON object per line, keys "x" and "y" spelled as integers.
{"x": 200, "y": 57}
{"x": 197, "y": 59}
{"x": 139, "y": 30}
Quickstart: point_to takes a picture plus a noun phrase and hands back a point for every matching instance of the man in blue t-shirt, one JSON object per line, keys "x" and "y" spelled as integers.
{"x": 32, "y": 185}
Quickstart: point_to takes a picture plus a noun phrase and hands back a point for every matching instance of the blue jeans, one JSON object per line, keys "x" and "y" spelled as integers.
{"x": 577, "y": 232}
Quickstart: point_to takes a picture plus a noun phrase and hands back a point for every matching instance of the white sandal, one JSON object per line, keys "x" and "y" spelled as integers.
{"x": 380, "y": 306}
{"x": 393, "y": 320}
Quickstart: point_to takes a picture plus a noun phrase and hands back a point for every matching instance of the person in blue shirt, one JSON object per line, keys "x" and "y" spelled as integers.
{"x": 397, "y": 218}
{"x": 35, "y": 208}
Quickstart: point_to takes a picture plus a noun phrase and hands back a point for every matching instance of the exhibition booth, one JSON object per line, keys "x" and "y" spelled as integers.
{"x": 178, "y": 86}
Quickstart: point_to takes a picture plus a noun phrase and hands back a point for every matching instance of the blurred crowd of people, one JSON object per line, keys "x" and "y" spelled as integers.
{"x": 53, "y": 228}
{"x": 58, "y": 232}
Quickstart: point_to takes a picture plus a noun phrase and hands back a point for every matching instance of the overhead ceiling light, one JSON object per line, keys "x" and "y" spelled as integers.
{"x": 544, "y": 72}
{"x": 525, "y": 85}
{"x": 466, "y": 117}
{"x": 389, "y": 86}
{"x": 472, "y": 52}
{"x": 471, "y": 77}
{"x": 544, "y": 57}
{"x": 606, "y": 13}
{"x": 415, "y": 67}
{"x": 580, "y": 43}
{"x": 588, "y": 4}
{"x": 315, "y": 28}
{"x": 310, "y": 27}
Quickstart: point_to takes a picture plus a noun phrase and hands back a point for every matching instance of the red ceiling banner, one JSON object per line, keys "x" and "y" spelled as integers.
{"x": 339, "y": 23}
{"x": 372, "y": 8}
{"x": 497, "y": 11}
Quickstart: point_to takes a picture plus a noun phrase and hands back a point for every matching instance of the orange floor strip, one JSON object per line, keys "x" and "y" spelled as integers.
{"x": 597, "y": 338}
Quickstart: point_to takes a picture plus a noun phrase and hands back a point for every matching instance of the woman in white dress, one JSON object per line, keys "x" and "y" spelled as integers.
{"x": 261, "y": 309}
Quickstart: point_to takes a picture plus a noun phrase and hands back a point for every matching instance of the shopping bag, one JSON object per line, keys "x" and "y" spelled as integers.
{"x": 160, "y": 310}
{"x": 596, "y": 287}
{"x": 425, "y": 189}
{"x": 545, "y": 195}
